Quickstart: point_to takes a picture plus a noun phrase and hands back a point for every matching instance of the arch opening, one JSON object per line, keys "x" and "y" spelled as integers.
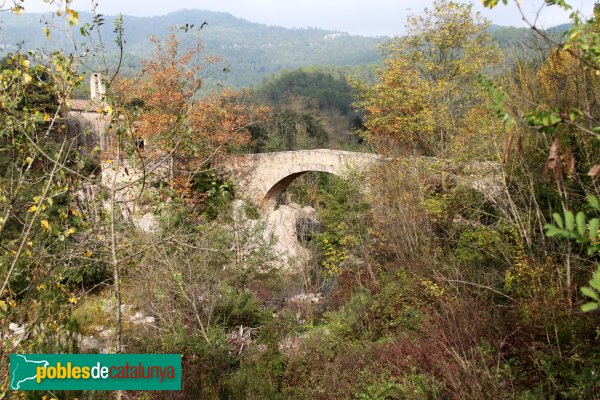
{"x": 270, "y": 199}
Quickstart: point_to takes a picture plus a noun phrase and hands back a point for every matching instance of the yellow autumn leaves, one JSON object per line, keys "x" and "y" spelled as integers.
{"x": 427, "y": 98}
{"x": 26, "y": 78}
{"x": 107, "y": 110}
{"x": 58, "y": 282}
{"x": 34, "y": 208}
{"x": 45, "y": 224}
{"x": 335, "y": 255}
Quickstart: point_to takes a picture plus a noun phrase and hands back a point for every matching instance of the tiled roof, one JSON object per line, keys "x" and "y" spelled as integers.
{"x": 84, "y": 105}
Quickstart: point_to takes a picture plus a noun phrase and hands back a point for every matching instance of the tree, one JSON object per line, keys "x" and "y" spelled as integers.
{"x": 557, "y": 107}
{"x": 171, "y": 133}
{"x": 49, "y": 242}
{"x": 427, "y": 92}
{"x": 53, "y": 249}
{"x": 173, "y": 118}
{"x": 330, "y": 89}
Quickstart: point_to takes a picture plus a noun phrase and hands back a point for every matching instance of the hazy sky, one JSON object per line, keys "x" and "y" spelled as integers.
{"x": 372, "y": 17}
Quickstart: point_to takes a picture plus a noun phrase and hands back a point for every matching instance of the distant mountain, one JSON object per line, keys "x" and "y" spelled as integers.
{"x": 560, "y": 28}
{"x": 251, "y": 51}
{"x": 519, "y": 43}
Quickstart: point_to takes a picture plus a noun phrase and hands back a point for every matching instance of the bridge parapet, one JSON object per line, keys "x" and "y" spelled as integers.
{"x": 263, "y": 177}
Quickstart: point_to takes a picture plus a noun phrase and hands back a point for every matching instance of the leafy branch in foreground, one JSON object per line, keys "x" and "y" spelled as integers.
{"x": 583, "y": 230}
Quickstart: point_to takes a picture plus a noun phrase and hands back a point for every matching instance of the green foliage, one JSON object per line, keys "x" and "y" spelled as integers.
{"x": 250, "y": 51}
{"x": 240, "y": 309}
{"x": 493, "y": 3}
{"x": 330, "y": 89}
{"x": 371, "y": 317}
{"x": 217, "y": 191}
{"x": 262, "y": 372}
{"x": 298, "y": 128}
{"x": 498, "y": 99}
{"x": 413, "y": 386}
{"x": 579, "y": 229}
{"x": 344, "y": 216}
{"x": 592, "y": 292}
{"x": 428, "y": 82}
{"x": 306, "y": 114}
{"x": 437, "y": 206}
{"x": 547, "y": 121}
{"x": 478, "y": 246}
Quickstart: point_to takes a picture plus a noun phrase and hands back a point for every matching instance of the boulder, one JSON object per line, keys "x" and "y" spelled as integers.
{"x": 146, "y": 223}
{"x": 88, "y": 344}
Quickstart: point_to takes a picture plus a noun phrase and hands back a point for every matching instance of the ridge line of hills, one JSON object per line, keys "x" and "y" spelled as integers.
{"x": 252, "y": 51}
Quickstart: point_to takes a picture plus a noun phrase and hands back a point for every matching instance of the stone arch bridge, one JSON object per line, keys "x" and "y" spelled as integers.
{"x": 264, "y": 177}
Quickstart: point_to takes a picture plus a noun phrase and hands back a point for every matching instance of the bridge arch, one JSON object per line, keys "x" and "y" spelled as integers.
{"x": 264, "y": 177}
{"x": 280, "y": 182}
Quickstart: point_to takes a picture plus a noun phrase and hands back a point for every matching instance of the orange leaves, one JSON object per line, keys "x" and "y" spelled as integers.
{"x": 184, "y": 190}
{"x": 224, "y": 120}
{"x": 171, "y": 116}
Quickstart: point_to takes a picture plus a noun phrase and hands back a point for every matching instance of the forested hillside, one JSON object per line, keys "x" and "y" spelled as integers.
{"x": 457, "y": 259}
{"x": 249, "y": 51}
